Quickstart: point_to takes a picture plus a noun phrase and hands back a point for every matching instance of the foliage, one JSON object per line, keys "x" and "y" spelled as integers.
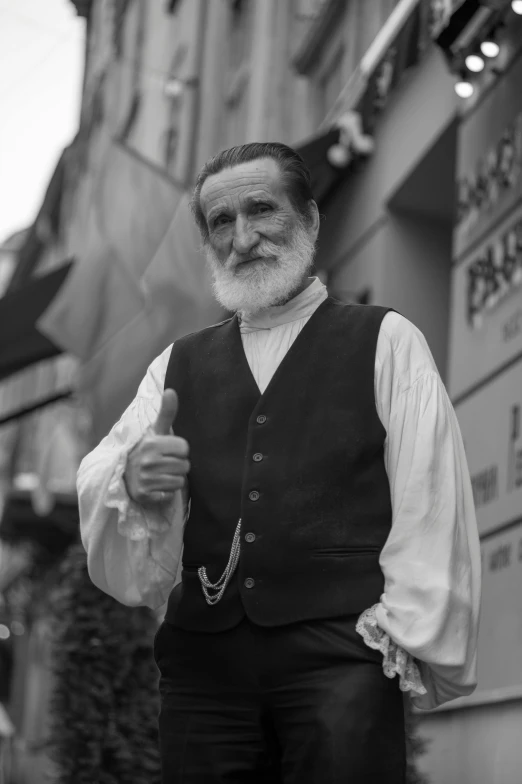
{"x": 104, "y": 703}
{"x": 416, "y": 746}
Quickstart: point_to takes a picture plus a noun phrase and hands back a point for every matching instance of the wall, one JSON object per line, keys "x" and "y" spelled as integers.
{"x": 477, "y": 739}
{"x": 475, "y": 746}
{"x": 416, "y": 276}
{"x": 417, "y": 113}
{"x": 386, "y": 230}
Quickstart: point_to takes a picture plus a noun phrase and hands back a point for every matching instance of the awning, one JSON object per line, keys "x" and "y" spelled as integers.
{"x": 315, "y": 155}
{"x": 21, "y": 344}
{"x": 53, "y": 532}
{"x": 15, "y": 560}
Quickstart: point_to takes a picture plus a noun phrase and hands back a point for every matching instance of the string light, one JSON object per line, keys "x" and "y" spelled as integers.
{"x": 474, "y": 63}
{"x": 516, "y": 5}
{"x": 490, "y": 48}
{"x": 464, "y": 88}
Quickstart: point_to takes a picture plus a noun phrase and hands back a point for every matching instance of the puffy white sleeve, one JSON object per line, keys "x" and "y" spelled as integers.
{"x": 426, "y": 622}
{"x": 133, "y": 554}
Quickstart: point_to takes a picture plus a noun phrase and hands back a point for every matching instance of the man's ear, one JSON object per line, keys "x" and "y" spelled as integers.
{"x": 315, "y": 220}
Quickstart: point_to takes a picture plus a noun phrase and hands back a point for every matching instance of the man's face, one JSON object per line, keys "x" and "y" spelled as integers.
{"x": 258, "y": 247}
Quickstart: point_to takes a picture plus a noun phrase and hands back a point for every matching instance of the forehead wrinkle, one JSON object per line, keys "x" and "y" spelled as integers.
{"x": 243, "y": 200}
{"x": 265, "y": 177}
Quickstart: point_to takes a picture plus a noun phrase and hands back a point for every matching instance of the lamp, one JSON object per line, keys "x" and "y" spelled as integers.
{"x": 464, "y": 88}
{"x": 490, "y": 47}
{"x": 174, "y": 86}
{"x": 474, "y": 63}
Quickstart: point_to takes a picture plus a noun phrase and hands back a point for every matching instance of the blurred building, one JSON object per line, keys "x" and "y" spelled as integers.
{"x": 9, "y": 251}
{"x": 420, "y": 189}
{"x": 42, "y": 439}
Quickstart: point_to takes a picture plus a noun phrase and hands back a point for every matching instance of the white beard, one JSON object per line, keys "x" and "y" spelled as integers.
{"x": 249, "y": 288}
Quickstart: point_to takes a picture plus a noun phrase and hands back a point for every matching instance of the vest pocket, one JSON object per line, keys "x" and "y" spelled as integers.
{"x": 344, "y": 552}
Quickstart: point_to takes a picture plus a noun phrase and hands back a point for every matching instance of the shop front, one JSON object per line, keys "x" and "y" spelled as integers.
{"x": 478, "y": 739}
{"x": 431, "y": 225}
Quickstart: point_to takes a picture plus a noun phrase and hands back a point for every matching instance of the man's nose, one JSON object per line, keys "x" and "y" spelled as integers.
{"x": 245, "y": 237}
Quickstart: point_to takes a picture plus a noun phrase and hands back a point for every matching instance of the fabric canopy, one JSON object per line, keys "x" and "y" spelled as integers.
{"x": 324, "y": 176}
{"x": 21, "y": 344}
{"x": 53, "y": 532}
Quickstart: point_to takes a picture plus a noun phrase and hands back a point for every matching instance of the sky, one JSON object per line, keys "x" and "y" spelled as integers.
{"x": 41, "y": 72}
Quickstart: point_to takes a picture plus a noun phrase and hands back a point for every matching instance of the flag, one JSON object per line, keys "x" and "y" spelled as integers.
{"x": 177, "y": 299}
{"x": 120, "y": 213}
{"x": 139, "y": 281}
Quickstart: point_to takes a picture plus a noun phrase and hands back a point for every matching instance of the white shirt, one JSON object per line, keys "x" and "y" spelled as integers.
{"x": 428, "y": 612}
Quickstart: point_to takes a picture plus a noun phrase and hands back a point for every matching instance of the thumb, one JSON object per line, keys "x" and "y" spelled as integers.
{"x": 167, "y": 413}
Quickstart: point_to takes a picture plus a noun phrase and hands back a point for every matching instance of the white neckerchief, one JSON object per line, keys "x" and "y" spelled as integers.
{"x": 301, "y": 306}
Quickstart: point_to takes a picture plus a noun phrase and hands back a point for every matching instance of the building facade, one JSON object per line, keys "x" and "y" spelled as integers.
{"x": 430, "y": 224}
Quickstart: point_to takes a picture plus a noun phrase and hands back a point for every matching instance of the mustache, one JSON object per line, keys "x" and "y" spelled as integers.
{"x": 264, "y": 250}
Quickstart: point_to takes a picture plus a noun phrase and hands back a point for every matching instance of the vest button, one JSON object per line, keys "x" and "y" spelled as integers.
{"x": 253, "y": 495}
{"x": 249, "y": 582}
{"x": 261, "y": 419}
{"x": 258, "y": 457}
{"x": 250, "y": 537}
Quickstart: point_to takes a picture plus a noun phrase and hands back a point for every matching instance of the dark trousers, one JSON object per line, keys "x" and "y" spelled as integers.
{"x": 300, "y": 704}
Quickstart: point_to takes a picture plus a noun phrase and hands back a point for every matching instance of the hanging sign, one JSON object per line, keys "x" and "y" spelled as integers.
{"x": 489, "y": 169}
{"x": 486, "y": 323}
{"x": 497, "y": 181}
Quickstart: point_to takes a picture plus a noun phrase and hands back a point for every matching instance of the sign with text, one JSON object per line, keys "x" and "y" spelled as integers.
{"x": 489, "y": 169}
{"x": 500, "y": 632}
{"x": 490, "y": 422}
{"x": 486, "y": 309}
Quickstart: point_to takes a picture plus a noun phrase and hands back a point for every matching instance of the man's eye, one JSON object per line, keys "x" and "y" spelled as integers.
{"x": 262, "y": 208}
{"x": 221, "y": 220}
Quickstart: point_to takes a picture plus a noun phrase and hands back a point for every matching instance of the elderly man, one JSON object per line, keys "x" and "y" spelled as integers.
{"x": 320, "y": 540}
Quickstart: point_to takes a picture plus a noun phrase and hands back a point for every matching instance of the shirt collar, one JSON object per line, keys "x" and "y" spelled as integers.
{"x": 301, "y": 306}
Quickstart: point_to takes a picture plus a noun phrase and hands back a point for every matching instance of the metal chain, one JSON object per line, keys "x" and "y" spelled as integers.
{"x": 220, "y": 586}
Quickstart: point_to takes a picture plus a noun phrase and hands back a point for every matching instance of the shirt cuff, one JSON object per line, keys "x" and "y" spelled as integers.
{"x": 134, "y": 522}
{"x": 396, "y": 661}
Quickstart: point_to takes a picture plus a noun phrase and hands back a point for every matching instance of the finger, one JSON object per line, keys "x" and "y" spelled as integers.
{"x": 159, "y": 498}
{"x": 164, "y": 483}
{"x": 172, "y": 446}
{"x": 167, "y": 413}
{"x": 171, "y": 466}
{"x": 158, "y": 463}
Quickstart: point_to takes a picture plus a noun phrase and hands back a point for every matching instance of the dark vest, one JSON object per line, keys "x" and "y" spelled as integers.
{"x": 301, "y": 465}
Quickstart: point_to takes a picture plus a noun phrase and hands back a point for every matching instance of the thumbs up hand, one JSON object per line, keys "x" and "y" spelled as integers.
{"x": 167, "y": 413}
{"x": 158, "y": 465}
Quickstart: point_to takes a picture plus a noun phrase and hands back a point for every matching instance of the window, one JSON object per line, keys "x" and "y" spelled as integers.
{"x": 236, "y": 90}
{"x": 330, "y": 83}
{"x": 119, "y": 10}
